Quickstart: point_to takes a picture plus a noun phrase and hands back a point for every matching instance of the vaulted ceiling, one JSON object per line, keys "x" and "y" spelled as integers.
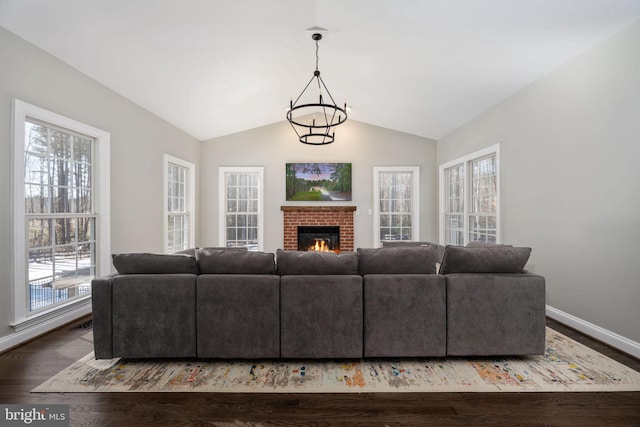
{"x": 214, "y": 67}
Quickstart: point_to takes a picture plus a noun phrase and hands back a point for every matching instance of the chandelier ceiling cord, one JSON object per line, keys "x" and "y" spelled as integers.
{"x": 315, "y": 121}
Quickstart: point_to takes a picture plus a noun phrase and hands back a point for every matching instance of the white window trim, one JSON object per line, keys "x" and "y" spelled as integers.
{"x": 415, "y": 220}
{"x": 191, "y": 198}
{"x": 491, "y": 150}
{"x": 21, "y": 110}
{"x": 222, "y": 191}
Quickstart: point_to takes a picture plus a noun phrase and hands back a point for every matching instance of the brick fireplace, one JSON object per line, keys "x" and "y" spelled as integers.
{"x": 340, "y": 216}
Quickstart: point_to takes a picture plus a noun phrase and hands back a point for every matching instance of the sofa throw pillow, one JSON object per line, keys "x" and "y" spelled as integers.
{"x": 314, "y": 263}
{"x": 232, "y": 261}
{"x": 405, "y": 243}
{"x": 487, "y": 245}
{"x": 494, "y": 259}
{"x": 234, "y": 248}
{"x": 398, "y": 260}
{"x": 147, "y": 263}
{"x": 190, "y": 251}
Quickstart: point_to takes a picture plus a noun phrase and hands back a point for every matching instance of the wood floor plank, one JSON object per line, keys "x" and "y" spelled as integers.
{"x": 25, "y": 367}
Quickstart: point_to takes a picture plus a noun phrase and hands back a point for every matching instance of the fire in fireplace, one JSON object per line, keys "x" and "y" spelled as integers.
{"x": 319, "y": 238}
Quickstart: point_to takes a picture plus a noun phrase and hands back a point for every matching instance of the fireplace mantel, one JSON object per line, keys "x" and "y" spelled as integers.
{"x": 341, "y": 216}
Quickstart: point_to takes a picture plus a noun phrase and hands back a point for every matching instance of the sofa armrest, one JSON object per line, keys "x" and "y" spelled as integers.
{"x": 101, "y": 301}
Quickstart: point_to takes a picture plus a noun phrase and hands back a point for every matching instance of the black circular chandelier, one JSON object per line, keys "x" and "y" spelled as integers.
{"x": 314, "y": 121}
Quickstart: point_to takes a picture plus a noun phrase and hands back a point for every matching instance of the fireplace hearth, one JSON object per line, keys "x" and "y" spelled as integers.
{"x": 319, "y": 238}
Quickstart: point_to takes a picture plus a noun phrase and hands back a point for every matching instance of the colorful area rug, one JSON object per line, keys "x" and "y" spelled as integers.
{"x": 567, "y": 366}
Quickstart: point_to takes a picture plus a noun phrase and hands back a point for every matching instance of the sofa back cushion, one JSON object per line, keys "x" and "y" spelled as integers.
{"x": 398, "y": 260}
{"x": 484, "y": 259}
{"x": 231, "y": 261}
{"x": 314, "y": 263}
{"x": 147, "y": 263}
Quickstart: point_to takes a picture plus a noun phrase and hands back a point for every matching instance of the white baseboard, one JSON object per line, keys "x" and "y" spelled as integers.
{"x": 29, "y": 333}
{"x": 618, "y": 341}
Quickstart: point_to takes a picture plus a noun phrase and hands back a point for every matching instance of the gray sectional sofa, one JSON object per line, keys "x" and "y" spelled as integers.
{"x": 386, "y": 302}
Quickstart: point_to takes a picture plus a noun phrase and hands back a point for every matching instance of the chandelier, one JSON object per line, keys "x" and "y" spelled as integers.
{"x": 316, "y": 114}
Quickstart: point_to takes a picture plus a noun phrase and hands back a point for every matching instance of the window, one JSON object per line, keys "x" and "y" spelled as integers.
{"x": 241, "y": 201}
{"x": 179, "y": 207}
{"x": 60, "y": 202}
{"x": 469, "y": 199}
{"x": 396, "y": 203}
{"x": 454, "y": 216}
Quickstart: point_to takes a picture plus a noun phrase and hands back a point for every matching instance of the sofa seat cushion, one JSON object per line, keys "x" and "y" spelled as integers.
{"x": 154, "y": 315}
{"x": 321, "y": 316}
{"x": 312, "y": 263}
{"x": 398, "y": 260}
{"x": 238, "y": 315}
{"x": 231, "y": 261}
{"x": 484, "y": 259}
{"x": 147, "y": 263}
{"x": 405, "y": 315}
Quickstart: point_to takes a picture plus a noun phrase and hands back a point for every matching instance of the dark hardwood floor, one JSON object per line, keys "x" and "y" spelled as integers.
{"x": 25, "y": 367}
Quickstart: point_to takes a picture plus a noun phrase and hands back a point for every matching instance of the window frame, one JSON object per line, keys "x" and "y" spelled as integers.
{"x": 415, "y": 215}
{"x": 190, "y": 195}
{"x": 466, "y": 161}
{"x": 21, "y": 111}
{"x": 222, "y": 201}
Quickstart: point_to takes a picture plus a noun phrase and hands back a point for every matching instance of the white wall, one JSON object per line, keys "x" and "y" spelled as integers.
{"x": 363, "y": 145}
{"x": 138, "y": 141}
{"x": 571, "y": 180}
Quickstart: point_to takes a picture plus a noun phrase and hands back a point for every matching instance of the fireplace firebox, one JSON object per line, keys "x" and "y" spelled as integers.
{"x": 319, "y": 238}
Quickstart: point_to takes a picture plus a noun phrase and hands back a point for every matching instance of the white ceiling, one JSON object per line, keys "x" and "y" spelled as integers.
{"x": 214, "y": 67}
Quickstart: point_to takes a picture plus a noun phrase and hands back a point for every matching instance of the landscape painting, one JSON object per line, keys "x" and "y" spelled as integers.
{"x": 318, "y": 182}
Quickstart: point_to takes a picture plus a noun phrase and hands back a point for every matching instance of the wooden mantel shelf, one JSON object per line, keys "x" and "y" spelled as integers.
{"x": 318, "y": 208}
